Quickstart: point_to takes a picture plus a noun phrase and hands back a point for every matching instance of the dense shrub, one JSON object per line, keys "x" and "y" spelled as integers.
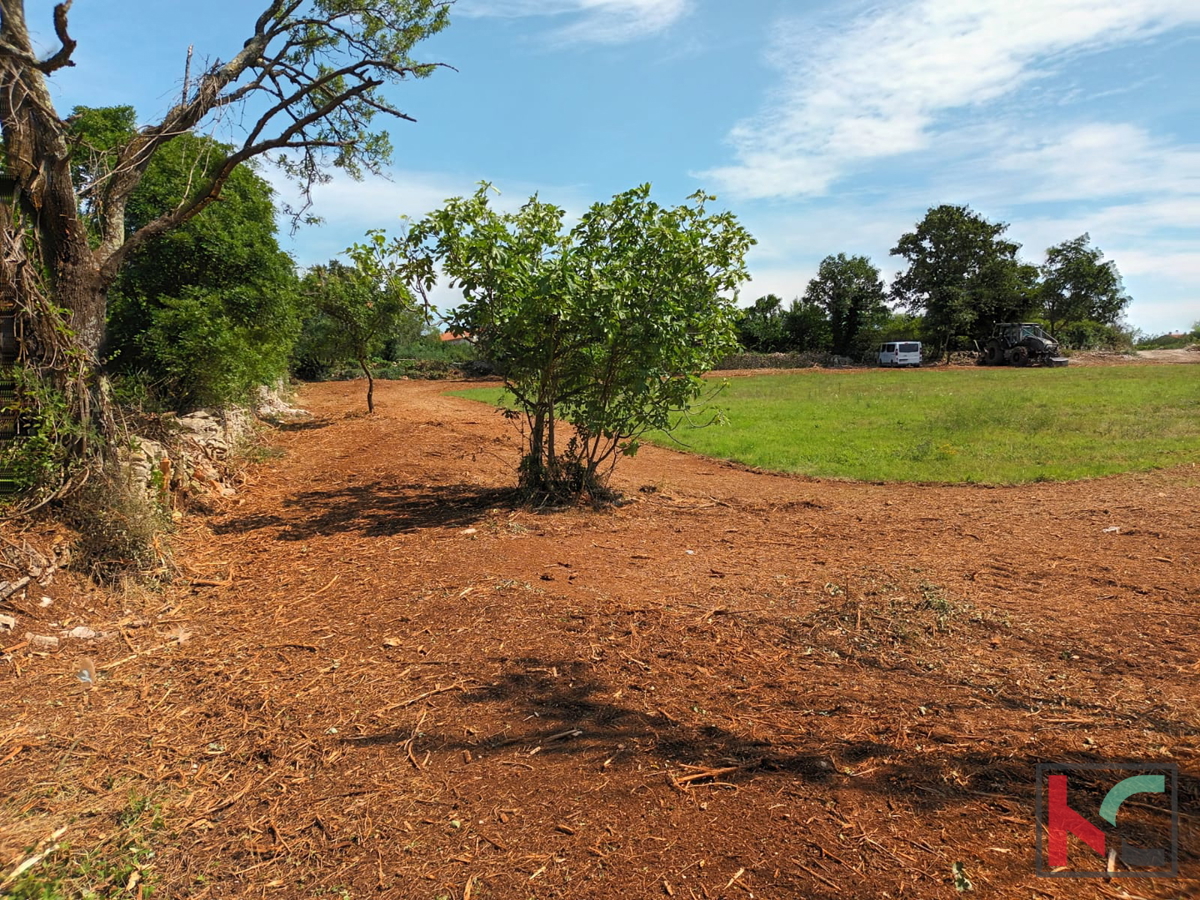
{"x": 1094, "y": 336}
{"x": 208, "y": 312}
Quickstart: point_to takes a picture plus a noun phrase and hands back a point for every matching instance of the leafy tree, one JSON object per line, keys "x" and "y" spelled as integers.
{"x": 851, "y": 292}
{"x": 210, "y": 310}
{"x": 806, "y": 327}
{"x": 308, "y": 84}
{"x": 761, "y": 326}
{"x": 608, "y": 326}
{"x": 358, "y": 308}
{"x": 1079, "y": 285}
{"x": 962, "y": 275}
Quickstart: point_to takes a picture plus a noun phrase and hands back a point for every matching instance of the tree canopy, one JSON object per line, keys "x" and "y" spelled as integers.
{"x": 1079, "y": 285}
{"x": 962, "y": 274}
{"x": 762, "y": 326}
{"x": 850, "y": 291}
{"x": 210, "y": 310}
{"x": 308, "y": 83}
{"x": 608, "y": 325}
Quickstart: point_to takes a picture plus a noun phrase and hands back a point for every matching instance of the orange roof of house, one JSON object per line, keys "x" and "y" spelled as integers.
{"x": 455, "y": 336}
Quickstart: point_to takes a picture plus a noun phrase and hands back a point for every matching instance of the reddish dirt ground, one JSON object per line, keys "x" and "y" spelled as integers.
{"x": 399, "y": 684}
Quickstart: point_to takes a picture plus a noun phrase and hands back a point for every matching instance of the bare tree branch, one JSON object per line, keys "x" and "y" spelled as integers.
{"x": 211, "y": 190}
{"x": 310, "y": 82}
{"x": 62, "y": 58}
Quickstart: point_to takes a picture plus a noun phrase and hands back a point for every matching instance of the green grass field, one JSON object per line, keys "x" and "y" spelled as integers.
{"x": 953, "y": 425}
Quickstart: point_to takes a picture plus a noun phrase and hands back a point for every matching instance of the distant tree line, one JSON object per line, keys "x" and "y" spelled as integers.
{"x": 210, "y": 311}
{"x": 1176, "y": 340}
{"x": 962, "y": 278}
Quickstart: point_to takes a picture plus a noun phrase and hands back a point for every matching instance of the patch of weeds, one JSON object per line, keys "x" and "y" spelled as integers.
{"x": 512, "y": 584}
{"x": 261, "y": 452}
{"x": 926, "y": 451}
{"x": 34, "y": 885}
{"x": 120, "y": 866}
{"x": 962, "y": 883}
{"x": 139, "y": 807}
{"x": 993, "y": 617}
{"x": 46, "y": 432}
{"x": 122, "y": 531}
{"x": 933, "y": 597}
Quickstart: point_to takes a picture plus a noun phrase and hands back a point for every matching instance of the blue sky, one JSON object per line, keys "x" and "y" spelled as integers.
{"x": 827, "y": 127}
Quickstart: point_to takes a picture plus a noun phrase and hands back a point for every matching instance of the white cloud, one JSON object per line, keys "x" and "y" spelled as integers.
{"x": 1180, "y": 265}
{"x": 379, "y": 201}
{"x": 783, "y": 281}
{"x": 1102, "y": 160}
{"x": 588, "y": 21}
{"x": 881, "y": 86}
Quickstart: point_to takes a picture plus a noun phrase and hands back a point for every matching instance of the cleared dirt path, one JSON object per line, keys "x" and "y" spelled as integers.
{"x": 400, "y": 685}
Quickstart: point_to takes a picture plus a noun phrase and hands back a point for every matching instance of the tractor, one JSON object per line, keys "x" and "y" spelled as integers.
{"x": 1021, "y": 344}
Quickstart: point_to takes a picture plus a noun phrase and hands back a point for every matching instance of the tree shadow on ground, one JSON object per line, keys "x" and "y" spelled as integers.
{"x": 561, "y": 710}
{"x": 377, "y": 510}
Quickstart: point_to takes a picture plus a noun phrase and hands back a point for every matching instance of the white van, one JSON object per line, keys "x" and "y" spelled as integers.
{"x": 900, "y": 353}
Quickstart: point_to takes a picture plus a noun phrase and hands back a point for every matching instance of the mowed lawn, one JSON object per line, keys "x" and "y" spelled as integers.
{"x": 952, "y": 425}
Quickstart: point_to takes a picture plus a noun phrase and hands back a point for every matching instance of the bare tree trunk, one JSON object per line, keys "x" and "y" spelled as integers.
{"x": 370, "y": 386}
{"x": 38, "y": 156}
{"x": 537, "y": 437}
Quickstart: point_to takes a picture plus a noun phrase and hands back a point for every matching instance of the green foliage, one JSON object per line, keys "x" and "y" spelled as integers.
{"x": 969, "y": 425}
{"x": 608, "y": 326}
{"x": 120, "y": 866}
{"x": 210, "y": 310}
{"x": 806, "y": 326}
{"x": 766, "y": 327}
{"x": 426, "y": 357}
{"x": 38, "y": 457}
{"x": 962, "y": 275}
{"x": 1087, "y": 335}
{"x": 900, "y": 326}
{"x": 761, "y": 327}
{"x": 97, "y": 133}
{"x": 1078, "y": 285}
{"x": 430, "y": 347}
{"x": 851, "y": 293}
{"x": 358, "y": 310}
